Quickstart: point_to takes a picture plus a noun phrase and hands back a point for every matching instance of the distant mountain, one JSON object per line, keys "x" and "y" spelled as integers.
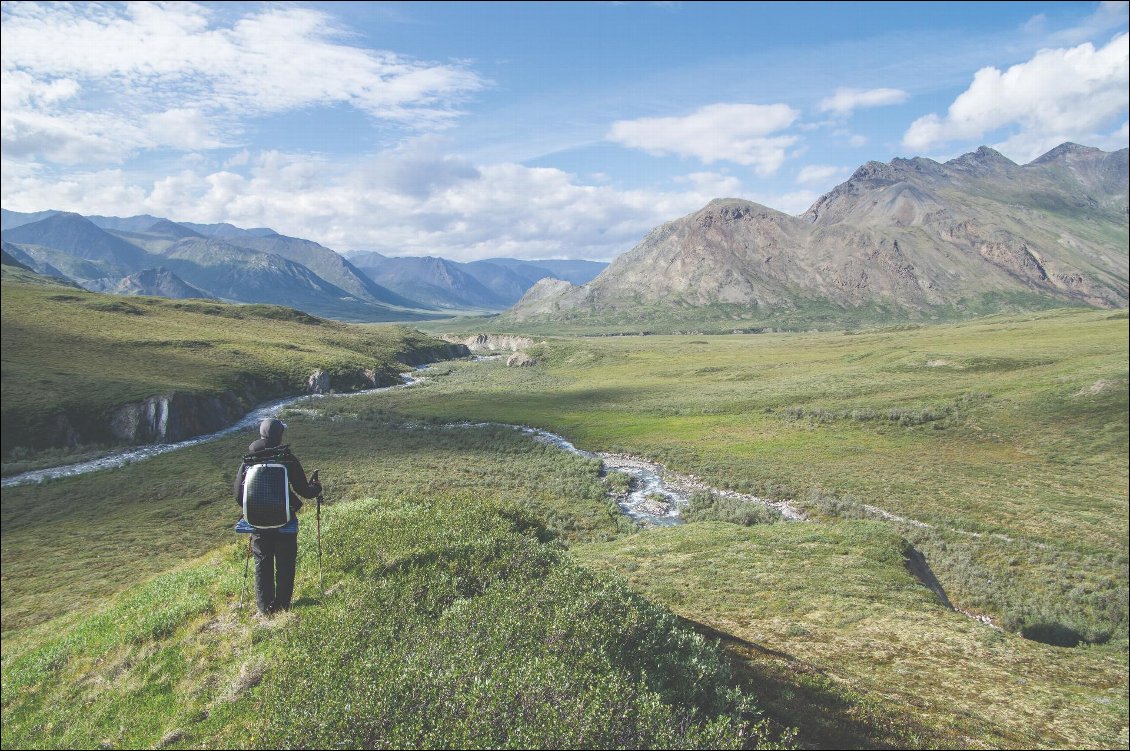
{"x": 7, "y": 259}
{"x": 30, "y": 256}
{"x": 78, "y": 236}
{"x": 230, "y": 263}
{"x": 506, "y": 284}
{"x": 330, "y": 266}
{"x": 139, "y": 223}
{"x": 227, "y": 231}
{"x": 158, "y": 282}
{"x": 503, "y": 281}
{"x": 434, "y": 281}
{"x": 576, "y": 272}
{"x": 11, "y": 219}
{"x": 910, "y": 239}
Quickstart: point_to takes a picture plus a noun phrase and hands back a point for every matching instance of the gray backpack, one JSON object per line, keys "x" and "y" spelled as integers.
{"x": 266, "y": 492}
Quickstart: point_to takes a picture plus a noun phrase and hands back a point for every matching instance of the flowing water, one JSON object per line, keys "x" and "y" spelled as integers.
{"x": 654, "y": 498}
{"x": 140, "y": 453}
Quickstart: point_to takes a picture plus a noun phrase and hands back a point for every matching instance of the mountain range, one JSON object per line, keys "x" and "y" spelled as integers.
{"x": 912, "y": 239}
{"x": 149, "y": 255}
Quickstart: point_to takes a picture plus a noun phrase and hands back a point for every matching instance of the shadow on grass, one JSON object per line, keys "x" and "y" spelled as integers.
{"x": 798, "y": 694}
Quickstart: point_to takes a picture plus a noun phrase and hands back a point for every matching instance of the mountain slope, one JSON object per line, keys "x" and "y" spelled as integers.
{"x": 435, "y": 281}
{"x": 329, "y": 266}
{"x": 78, "y": 236}
{"x": 158, "y": 282}
{"x": 909, "y": 239}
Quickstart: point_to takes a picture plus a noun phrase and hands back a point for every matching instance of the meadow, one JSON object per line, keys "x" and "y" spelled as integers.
{"x": 489, "y": 576}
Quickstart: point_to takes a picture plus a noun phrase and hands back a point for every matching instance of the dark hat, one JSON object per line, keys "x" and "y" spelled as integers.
{"x": 271, "y": 430}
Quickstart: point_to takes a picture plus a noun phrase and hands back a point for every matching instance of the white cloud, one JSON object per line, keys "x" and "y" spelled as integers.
{"x": 846, "y": 100}
{"x": 818, "y": 174}
{"x": 181, "y": 69}
{"x": 413, "y": 200}
{"x": 1059, "y": 95}
{"x": 1108, "y": 16}
{"x": 738, "y": 133}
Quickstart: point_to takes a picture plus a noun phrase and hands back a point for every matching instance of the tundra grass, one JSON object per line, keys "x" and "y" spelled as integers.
{"x": 81, "y": 354}
{"x": 862, "y": 648}
{"x": 453, "y": 624}
{"x": 1007, "y": 435}
{"x": 70, "y": 542}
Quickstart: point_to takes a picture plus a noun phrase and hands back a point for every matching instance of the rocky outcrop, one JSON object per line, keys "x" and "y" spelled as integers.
{"x": 177, "y": 416}
{"x": 491, "y": 342}
{"x": 174, "y": 417}
{"x": 318, "y": 382}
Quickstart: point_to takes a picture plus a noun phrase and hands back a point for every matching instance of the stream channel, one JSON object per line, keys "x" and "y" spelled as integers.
{"x": 654, "y": 498}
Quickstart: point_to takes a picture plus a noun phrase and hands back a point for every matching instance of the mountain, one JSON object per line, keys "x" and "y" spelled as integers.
{"x": 7, "y": 259}
{"x": 501, "y": 282}
{"x": 328, "y": 265}
{"x": 78, "y": 236}
{"x": 138, "y": 223}
{"x": 33, "y": 258}
{"x": 11, "y": 219}
{"x": 576, "y": 272}
{"x": 227, "y": 231}
{"x": 158, "y": 282}
{"x": 506, "y": 284}
{"x": 906, "y": 240}
{"x": 434, "y": 281}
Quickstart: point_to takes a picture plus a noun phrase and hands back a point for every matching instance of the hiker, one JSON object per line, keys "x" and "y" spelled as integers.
{"x": 275, "y": 550}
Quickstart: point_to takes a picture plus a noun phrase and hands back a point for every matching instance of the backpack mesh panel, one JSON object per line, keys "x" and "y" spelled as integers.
{"x": 266, "y": 500}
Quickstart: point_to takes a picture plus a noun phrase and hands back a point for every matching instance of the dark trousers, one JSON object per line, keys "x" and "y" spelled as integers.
{"x": 275, "y": 554}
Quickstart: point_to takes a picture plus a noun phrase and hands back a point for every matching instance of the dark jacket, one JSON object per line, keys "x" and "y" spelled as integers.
{"x": 295, "y": 474}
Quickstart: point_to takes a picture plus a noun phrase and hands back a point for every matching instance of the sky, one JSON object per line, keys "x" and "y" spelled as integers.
{"x": 526, "y": 130}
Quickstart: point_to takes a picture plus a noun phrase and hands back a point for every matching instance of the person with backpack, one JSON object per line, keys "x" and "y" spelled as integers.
{"x": 271, "y": 503}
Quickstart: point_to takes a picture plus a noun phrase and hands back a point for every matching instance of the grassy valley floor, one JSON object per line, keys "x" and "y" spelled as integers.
{"x": 452, "y": 558}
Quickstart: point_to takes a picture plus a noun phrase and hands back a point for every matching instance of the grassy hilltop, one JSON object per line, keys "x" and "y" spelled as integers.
{"x": 481, "y": 590}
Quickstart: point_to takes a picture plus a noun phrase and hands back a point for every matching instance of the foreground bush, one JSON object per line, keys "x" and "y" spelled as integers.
{"x": 459, "y": 629}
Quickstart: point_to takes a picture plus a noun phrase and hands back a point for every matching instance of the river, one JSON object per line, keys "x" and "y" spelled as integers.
{"x": 655, "y": 496}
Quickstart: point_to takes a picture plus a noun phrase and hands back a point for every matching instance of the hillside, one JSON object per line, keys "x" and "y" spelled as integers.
{"x": 203, "y": 364}
{"x": 909, "y": 240}
{"x": 446, "y": 627}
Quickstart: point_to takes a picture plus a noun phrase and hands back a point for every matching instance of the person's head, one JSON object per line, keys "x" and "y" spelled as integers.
{"x": 271, "y": 430}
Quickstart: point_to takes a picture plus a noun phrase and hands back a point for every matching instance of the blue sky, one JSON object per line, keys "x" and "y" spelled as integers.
{"x": 472, "y": 130}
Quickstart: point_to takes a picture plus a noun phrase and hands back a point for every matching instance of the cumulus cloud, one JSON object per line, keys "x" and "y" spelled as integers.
{"x": 189, "y": 74}
{"x": 411, "y": 200}
{"x": 1067, "y": 94}
{"x": 739, "y": 133}
{"x": 846, "y": 100}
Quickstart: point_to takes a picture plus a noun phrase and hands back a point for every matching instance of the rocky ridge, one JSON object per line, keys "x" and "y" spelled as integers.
{"x": 908, "y": 239}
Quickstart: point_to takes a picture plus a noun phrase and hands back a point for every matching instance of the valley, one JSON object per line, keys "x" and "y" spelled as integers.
{"x": 993, "y": 450}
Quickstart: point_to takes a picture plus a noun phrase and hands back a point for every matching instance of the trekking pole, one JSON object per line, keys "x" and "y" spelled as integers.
{"x": 318, "y": 523}
{"x": 246, "y": 565}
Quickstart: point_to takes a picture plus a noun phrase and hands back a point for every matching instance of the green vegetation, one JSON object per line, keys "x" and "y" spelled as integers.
{"x": 70, "y": 542}
{"x": 805, "y": 314}
{"x": 859, "y": 651}
{"x": 1006, "y": 437}
{"x": 444, "y": 625}
{"x": 71, "y": 357}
